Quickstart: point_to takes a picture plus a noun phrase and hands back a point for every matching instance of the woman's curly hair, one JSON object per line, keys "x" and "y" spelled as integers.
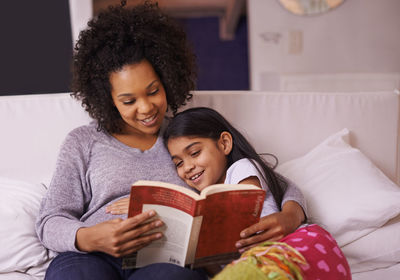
{"x": 120, "y": 36}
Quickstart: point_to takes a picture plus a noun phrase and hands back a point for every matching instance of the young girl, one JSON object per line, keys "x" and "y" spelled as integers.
{"x": 207, "y": 150}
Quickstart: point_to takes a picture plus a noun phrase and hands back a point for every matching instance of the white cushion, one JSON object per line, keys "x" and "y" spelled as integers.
{"x": 34, "y": 128}
{"x": 378, "y": 249}
{"x": 345, "y": 192}
{"x": 20, "y": 248}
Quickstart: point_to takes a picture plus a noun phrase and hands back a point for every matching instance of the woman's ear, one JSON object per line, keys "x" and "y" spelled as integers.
{"x": 225, "y": 142}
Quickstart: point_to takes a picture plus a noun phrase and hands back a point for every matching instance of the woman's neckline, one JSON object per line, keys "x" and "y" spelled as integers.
{"x": 136, "y": 148}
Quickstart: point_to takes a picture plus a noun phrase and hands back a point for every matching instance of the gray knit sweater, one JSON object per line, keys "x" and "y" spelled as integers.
{"x": 93, "y": 170}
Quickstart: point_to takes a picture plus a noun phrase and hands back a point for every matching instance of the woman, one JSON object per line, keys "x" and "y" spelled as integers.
{"x": 129, "y": 66}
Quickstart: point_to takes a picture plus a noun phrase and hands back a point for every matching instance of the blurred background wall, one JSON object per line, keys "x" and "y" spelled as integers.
{"x": 37, "y": 41}
{"x": 355, "y": 46}
{"x": 35, "y": 48}
{"x": 240, "y": 45}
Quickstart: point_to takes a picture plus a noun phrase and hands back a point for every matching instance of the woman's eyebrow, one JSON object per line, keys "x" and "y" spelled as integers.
{"x": 125, "y": 94}
{"x": 152, "y": 83}
{"x": 132, "y": 94}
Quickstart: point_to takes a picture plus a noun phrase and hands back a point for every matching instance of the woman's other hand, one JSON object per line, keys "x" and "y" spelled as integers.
{"x": 119, "y": 237}
{"x": 118, "y": 207}
{"x": 272, "y": 227}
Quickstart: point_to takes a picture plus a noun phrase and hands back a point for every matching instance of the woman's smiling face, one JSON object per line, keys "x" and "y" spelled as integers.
{"x": 139, "y": 97}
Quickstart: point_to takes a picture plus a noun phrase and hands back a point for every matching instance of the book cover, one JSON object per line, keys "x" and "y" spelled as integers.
{"x": 199, "y": 228}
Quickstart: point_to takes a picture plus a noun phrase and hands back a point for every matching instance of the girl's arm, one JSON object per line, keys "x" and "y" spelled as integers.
{"x": 271, "y": 227}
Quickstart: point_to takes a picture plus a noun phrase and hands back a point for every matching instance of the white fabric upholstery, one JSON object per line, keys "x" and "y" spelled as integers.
{"x": 345, "y": 193}
{"x": 380, "y": 248}
{"x": 20, "y": 246}
{"x": 286, "y": 124}
{"x": 388, "y": 273}
{"x": 33, "y": 128}
{"x": 291, "y": 124}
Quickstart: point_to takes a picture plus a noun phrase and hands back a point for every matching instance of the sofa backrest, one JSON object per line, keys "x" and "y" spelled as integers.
{"x": 285, "y": 124}
{"x": 289, "y": 124}
{"x": 33, "y": 128}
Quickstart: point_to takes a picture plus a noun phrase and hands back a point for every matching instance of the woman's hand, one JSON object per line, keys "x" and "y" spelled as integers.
{"x": 119, "y": 237}
{"x": 118, "y": 207}
{"x": 272, "y": 227}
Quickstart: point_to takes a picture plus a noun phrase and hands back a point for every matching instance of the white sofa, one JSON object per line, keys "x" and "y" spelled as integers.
{"x": 350, "y": 191}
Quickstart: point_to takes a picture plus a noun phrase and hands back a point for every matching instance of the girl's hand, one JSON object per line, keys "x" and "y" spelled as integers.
{"x": 272, "y": 227}
{"x": 119, "y": 237}
{"x": 118, "y": 207}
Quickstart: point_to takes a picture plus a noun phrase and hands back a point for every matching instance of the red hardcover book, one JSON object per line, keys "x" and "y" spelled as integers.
{"x": 200, "y": 228}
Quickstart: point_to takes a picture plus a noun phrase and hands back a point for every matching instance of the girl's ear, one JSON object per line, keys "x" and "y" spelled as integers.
{"x": 225, "y": 142}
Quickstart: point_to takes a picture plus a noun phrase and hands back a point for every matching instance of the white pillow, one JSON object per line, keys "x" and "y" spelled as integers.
{"x": 20, "y": 248}
{"x": 378, "y": 249}
{"x": 345, "y": 192}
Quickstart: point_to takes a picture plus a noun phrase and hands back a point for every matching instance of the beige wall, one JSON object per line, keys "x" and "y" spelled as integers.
{"x": 360, "y": 36}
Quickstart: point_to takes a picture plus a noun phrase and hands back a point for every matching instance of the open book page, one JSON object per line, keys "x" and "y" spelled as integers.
{"x": 194, "y": 237}
{"x": 173, "y": 246}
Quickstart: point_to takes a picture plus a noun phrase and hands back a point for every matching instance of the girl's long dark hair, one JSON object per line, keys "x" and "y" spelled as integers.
{"x": 207, "y": 123}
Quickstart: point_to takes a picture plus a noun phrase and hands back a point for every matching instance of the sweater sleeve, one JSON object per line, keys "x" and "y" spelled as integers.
{"x": 68, "y": 193}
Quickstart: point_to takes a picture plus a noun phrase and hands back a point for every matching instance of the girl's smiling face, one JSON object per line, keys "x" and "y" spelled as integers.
{"x": 200, "y": 162}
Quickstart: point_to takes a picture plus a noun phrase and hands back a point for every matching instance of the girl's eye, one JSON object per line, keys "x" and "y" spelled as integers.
{"x": 178, "y": 164}
{"x": 196, "y": 153}
{"x": 154, "y": 92}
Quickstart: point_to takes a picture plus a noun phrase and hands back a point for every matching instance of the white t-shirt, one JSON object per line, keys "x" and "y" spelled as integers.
{"x": 243, "y": 169}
